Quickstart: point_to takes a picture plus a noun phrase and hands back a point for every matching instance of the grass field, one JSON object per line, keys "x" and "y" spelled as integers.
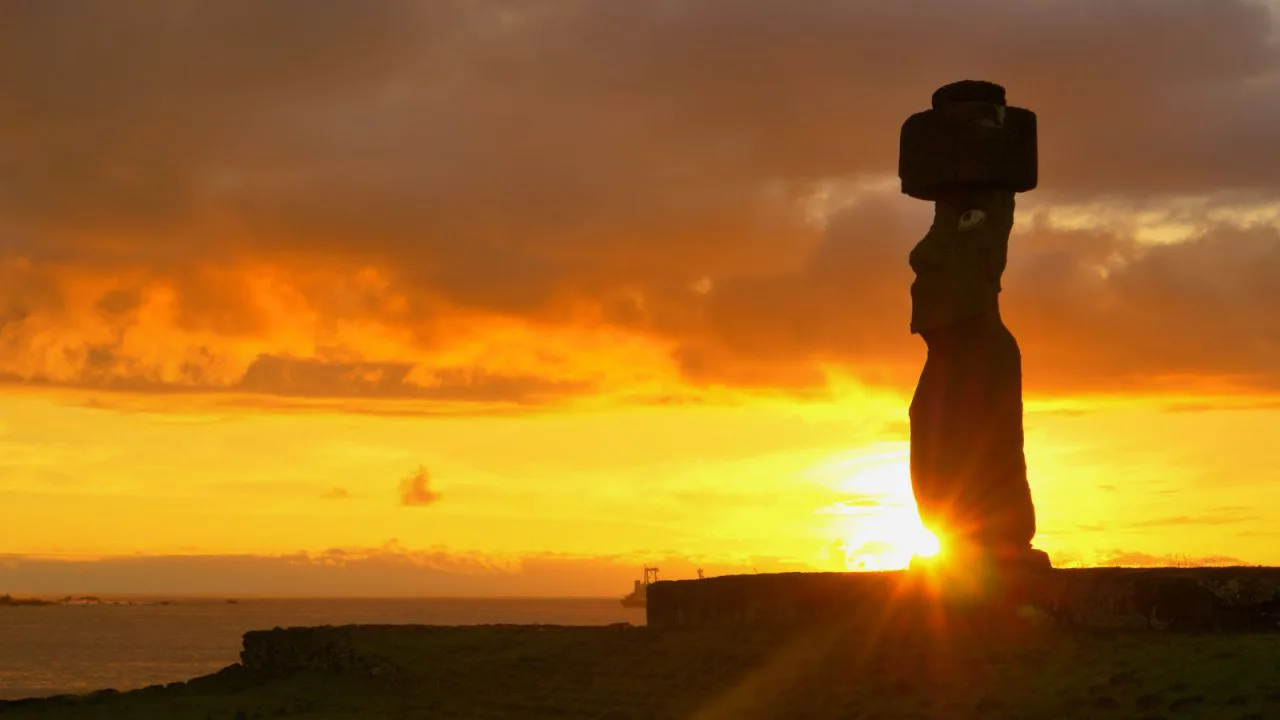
{"x": 854, "y": 670}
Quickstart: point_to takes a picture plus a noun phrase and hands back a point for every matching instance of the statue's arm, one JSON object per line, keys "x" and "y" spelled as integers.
{"x": 995, "y": 250}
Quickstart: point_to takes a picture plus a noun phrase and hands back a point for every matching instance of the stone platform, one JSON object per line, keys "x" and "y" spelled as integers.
{"x": 1230, "y": 599}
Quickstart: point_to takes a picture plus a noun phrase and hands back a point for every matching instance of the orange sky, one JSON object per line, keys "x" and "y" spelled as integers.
{"x": 445, "y": 297}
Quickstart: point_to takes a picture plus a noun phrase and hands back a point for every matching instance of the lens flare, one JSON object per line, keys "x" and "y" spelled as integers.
{"x": 877, "y": 526}
{"x": 926, "y": 544}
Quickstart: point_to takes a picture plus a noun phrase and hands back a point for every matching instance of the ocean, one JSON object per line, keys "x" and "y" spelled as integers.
{"x": 54, "y": 649}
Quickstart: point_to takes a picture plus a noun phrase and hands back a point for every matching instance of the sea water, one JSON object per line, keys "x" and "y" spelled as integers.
{"x": 54, "y": 649}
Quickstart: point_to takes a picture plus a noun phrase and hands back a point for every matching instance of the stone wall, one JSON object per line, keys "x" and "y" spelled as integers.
{"x": 327, "y": 649}
{"x": 1243, "y": 599}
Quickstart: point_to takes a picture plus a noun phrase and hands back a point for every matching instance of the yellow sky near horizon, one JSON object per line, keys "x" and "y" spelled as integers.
{"x": 817, "y": 485}
{"x": 579, "y": 286}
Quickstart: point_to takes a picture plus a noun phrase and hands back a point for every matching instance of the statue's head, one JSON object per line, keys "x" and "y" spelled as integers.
{"x": 968, "y": 91}
{"x": 975, "y": 102}
{"x": 970, "y": 139}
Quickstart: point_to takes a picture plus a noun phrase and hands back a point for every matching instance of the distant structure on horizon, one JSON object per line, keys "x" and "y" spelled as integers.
{"x": 639, "y": 595}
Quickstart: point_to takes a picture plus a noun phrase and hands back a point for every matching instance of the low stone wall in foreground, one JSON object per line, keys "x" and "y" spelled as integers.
{"x": 1245, "y": 599}
{"x": 324, "y": 648}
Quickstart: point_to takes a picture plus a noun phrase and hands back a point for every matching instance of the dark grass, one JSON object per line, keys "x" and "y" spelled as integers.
{"x": 856, "y": 669}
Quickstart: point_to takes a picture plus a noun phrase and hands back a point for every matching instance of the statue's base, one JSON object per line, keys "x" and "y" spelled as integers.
{"x": 991, "y": 561}
{"x": 1238, "y": 599}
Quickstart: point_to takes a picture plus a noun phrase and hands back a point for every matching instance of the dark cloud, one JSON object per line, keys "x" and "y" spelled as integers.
{"x": 1093, "y": 311}
{"x": 415, "y": 490}
{"x": 197, "y": 195}
{"x": 121, "y": 117}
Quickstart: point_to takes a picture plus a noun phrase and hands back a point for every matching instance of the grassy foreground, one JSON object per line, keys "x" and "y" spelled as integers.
{"x": 855, "y": 670}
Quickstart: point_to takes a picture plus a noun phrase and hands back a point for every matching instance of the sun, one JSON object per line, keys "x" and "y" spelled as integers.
{"x": 906, "y": 538}
{"x": 888, "y": 541}
{"x": 925, "y": 543}
{"x": 879, "y": 527}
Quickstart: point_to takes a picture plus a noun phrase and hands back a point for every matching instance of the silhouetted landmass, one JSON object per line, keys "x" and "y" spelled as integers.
{"x": 10, "y": 601}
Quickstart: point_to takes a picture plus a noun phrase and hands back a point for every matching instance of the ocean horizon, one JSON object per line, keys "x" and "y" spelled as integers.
{"x": 159, "y": 639}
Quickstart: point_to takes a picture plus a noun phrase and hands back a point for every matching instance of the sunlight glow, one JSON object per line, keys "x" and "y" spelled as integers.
{"x": 878, "y": 527}
{"x": 926, "y": 544}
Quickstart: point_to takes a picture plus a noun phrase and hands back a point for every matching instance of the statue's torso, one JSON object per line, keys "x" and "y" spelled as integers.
{"x": 959, "y": 262}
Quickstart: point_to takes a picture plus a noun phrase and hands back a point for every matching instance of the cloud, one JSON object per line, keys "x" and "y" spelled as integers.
{"x": 1223, "y": 516}
{"x": 1220, "y": 404}
{"x": 592, "y": 198}
{"x": 1208, "y": 517}
{"x": 1122, "y": 558}
{"x": 388, "y": 571}
{"x": 415, "y": 490}
{"x": 336, "y": 493}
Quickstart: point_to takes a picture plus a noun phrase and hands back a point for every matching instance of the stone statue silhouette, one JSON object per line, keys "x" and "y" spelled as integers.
{"x": 968, "y": 469}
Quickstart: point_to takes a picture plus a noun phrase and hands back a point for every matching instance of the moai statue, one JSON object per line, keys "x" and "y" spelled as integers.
{"x": 969, "y": 155}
